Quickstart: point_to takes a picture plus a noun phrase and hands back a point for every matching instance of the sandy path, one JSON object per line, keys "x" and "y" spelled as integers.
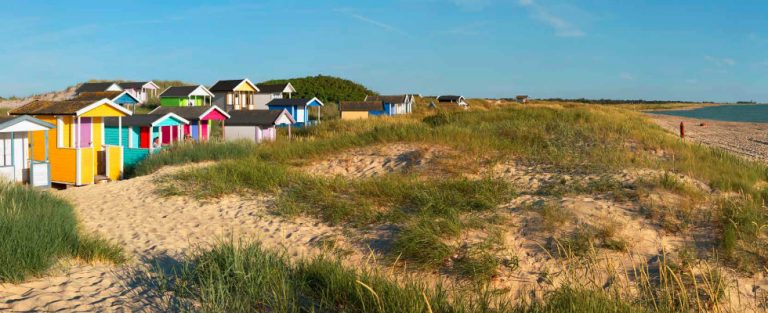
{"x": 152, "y": 230}
{"x": 746, "y": 139}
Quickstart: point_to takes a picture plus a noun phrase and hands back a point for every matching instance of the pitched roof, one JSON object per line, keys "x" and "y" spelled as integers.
{"x": 68, "y": 107}
{"x": 230, "y": 85}
{"x": 132, "y": 85}
{"x": 44, "y": 107}
{"x": 274, "y": 88}
{"x": 450, "y": 98}
{"x": 191, "y": 114}
{"x": 94, "y": 87}
{"x": 256, "y": 117}
{"x": 182, "y": 91}
{"x": 394, "y": 99}
{"x": 293, "y": 102}
{"x": 226, "y": 85}
{"x": 8, "y": 121}
{"x": 142, "y": 120}
{"x": 361, "y": 106}
{"x": 97, "y": 95}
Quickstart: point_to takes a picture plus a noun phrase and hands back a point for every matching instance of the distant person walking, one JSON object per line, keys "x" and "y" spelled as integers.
{"x": 682, "y": 131}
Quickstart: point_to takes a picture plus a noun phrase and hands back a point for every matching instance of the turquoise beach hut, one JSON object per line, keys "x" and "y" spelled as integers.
{"x": 143, "y": 134}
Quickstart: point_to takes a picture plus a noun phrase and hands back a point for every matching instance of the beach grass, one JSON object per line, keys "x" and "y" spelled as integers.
{"x": 38, "y": 229}
{"x": 430, "y": 212}
{"x": 244, "y": 277}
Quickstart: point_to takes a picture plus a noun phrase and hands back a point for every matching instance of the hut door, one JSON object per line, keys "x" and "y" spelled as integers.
{"x": 86, "y": 140}
{"x": 144, "y": 138}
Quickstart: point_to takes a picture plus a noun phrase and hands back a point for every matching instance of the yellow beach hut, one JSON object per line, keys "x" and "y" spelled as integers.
{"x": 77, "y": 152}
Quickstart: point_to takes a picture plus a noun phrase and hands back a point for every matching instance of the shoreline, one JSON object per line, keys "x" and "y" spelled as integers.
{"x": 747, "y": 139}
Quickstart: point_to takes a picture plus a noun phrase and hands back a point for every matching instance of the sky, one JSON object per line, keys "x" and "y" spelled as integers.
{"x": 696, "y": 50}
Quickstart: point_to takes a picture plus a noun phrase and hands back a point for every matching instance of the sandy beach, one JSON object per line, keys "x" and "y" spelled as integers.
{"x": 153, "y": 231}
{"x": 747, "y": 139}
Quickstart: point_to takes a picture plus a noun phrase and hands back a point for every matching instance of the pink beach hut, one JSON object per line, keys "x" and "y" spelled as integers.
{"x": 199, "y": 117}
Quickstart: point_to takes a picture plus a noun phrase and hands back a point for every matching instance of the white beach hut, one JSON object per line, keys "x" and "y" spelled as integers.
{"x": 16, "y": 164}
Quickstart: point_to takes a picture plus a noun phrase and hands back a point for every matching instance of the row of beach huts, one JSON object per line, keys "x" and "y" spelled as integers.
{"x": 95, "y": 136}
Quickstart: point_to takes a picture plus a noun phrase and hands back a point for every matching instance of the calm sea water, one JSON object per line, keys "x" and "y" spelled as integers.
{"x": 733, "y": 113}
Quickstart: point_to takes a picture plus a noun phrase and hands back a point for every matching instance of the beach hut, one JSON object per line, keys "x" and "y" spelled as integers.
{"x": 186, "y": 96}
{"x": 234, "y": 94}
{"x": 122, "y": 98}
{"x": 140, "y": 135}
{"x": 299, "y": 108}
{"x": 269, "y": 92}
{"x": 17, "y": 165}
{"x": 77, "y": 152}
{"x": 256, "y": 125}
{"x": 395, "y": 104}
{"x": 199, "y": 117}
{"x": 458, "y": 100}
{"x": 140, "y": 90}
{"x": 358, "y": 110}
{"x": 98, "y": 87}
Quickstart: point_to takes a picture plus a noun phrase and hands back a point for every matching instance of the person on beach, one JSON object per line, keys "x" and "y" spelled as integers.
{"x": 682, "y": 131}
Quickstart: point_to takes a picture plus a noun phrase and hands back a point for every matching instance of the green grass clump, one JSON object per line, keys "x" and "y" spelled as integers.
{"x": 572, "y": 300}
{"x": 744, "y": 224}
{"x": 245, "y": 278}
{"x": 193, "y": 152}
{"x": 37, "y": 229}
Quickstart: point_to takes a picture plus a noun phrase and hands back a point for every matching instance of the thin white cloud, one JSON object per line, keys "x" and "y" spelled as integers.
{"x": 627, "y": 76}
{"x": 370, "y": 21}
{"x": 720, "y": 62}
{"x": 561, "y": 26}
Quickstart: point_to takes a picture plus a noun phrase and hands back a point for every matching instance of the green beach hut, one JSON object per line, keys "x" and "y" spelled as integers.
{"x": 186, "y": 96}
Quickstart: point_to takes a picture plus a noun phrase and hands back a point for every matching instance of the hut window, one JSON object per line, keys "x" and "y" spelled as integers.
{"x": 6, "y": 141}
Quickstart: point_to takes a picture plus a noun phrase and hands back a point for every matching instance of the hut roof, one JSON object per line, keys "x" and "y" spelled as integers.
{"x": 257, "y": 117}
{"x": 94, "y": 87}
{"x": 361, "y": 106}
{"x": 394, "y": 99}
{"x": 192, "y": 114}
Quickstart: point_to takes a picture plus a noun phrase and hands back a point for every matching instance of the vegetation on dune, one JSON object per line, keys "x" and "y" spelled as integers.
{"x": 328, "y": 89}
{"x": 246, "y": 278}
{"x": 431, "y": 211}
{"x": 571, "y": 137}
{"x": 37, "y": 229}
{"x": 193, "y": 153}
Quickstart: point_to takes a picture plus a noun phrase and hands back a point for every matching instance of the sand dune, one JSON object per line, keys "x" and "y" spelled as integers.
{"x": 151, "y": 230}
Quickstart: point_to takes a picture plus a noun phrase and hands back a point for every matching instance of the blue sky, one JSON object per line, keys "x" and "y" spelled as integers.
{"x": 684, "y": 49}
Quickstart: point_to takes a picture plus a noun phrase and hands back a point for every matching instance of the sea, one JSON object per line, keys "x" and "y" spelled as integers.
{"x": 757, "y": 113}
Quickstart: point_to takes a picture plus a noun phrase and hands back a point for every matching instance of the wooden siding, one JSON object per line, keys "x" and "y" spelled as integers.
{"x": 103, "y": 110}
{"x": 133, "y": 156}
{"x": 63, "y": 163}
{"x": 87, "y": 165}
{"x": 245, "y": 87}
{"x": 114, "y": 167}
{"x": 125, "y": 99}
{"x": 179, "y": 102}
{"x": 354, "y": 115}
{"x": 97, "y": 134}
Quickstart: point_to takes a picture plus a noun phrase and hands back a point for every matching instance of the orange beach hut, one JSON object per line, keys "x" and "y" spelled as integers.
{"x": 77, "y": 152}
